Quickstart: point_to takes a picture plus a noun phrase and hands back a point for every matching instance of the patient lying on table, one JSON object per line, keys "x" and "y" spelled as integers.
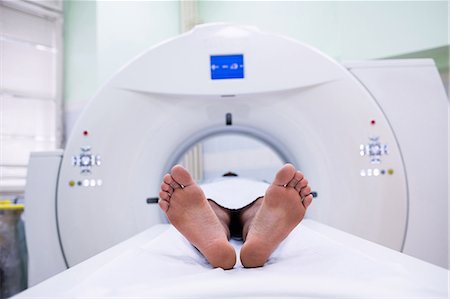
{"x": 263, "y": 224}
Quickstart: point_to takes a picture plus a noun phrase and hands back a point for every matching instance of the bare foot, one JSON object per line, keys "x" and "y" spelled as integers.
{"x": 282, "y": 209}
{"x": 188, "y": 210}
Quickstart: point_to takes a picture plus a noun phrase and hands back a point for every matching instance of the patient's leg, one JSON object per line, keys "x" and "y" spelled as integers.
{"x": 224, "y": 216}
{"x": 270, "y": 219}
{"x": 190, "y": 212}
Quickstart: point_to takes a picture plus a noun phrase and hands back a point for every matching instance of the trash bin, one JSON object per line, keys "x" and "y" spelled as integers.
{"x": 13, "y": 266}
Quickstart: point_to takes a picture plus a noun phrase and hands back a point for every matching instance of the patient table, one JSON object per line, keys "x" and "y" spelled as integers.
{"x": 315, "y": 261}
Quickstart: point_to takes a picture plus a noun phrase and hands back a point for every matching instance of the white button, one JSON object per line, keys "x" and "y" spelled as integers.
{"x": 93, "y": 183}
{"x": 86, "y": 160}
{"x": 99, "y": 182}
{"x": 376, "y": 172}
{"x": 85, "y": 183}
{"x": 363, "y": 172}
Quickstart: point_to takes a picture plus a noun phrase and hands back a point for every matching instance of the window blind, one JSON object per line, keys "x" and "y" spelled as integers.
{"x": 30, "y": 86}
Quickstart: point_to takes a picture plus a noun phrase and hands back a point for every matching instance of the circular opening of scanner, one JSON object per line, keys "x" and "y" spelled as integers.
{"x": 277, "y": 147}
{"x": 283, "y": 153}
{"x": 231, "y": 153}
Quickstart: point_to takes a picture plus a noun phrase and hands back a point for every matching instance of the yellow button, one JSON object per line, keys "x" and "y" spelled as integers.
{"x": 71, "y": 183}
{"x": 390, "y": 171}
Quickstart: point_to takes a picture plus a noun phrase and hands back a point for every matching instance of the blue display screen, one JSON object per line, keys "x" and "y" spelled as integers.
{"x": 227, "y": 66}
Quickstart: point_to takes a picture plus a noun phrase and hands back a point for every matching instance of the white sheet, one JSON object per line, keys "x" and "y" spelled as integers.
{"x": 307, "y": 264}
{"x": 234, "y": 192}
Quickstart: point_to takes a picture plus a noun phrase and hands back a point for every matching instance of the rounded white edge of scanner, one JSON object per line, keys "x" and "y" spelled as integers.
{"x": 226, "y": 39}
{"x": 274, "y": 144}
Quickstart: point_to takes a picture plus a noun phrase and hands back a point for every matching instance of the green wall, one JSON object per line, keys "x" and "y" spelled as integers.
{"x": 80, "y": 50}
{"x": 343, "y": 29}
{"x": 102, "y": 36}
{"x": 127, "y": 28}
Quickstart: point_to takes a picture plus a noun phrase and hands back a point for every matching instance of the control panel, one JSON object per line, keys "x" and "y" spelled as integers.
{"x": 374, "y": 150}
{"x": 86, "y": 161}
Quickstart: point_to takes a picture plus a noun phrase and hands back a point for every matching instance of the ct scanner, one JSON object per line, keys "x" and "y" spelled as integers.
{"x": 371, "y": 137}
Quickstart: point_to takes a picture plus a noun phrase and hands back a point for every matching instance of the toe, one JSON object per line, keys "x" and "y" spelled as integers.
{"x": 167, "y": 179}
{"x": 166, "y": 188}
{"x": 302, "y": 184}
{"x": 307, "y": 201}
{"x": 292, "y": 183}
{"x": 297, "y": 178}
{"x": 163, "y": 204}
{"x": 285, "y": 175}
{"x": 299, "y": 175}
{"x": 171, "y": 182}
{"x": 164, "y": 196}
{"x": 181, "y": 176}
{"x": 305, "y": 191}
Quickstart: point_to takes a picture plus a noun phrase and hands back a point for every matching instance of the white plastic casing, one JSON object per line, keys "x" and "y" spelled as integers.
{"x": 297, "y": 96}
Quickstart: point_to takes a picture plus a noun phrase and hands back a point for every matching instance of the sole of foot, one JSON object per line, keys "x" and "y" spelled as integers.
{"x": 189, "y": 211}
{"x": 283, "y": 208}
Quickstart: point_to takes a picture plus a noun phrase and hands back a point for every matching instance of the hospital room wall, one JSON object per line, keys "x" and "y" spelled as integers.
{"x": 343, "y": 29}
